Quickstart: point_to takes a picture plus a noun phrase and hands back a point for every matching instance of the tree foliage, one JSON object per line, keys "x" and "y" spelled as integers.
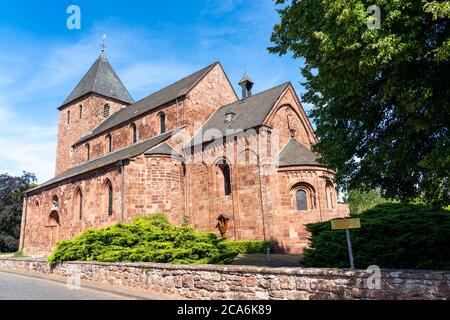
{"x": 392, "y": 235}
{"x": 360, "y": 201}
{"x": 11, "y": 201}
{"x": 380, "y": 96}
{"x": 152, "y": 238}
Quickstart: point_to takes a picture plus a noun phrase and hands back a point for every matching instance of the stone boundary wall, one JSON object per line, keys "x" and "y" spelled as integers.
{"x": 248, "y": 282}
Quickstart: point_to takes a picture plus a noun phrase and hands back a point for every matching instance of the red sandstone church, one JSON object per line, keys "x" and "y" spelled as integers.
{"x": 238, "y": 166}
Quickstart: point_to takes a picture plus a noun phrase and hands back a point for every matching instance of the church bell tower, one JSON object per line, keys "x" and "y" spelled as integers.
{"x": 98, "y": 95}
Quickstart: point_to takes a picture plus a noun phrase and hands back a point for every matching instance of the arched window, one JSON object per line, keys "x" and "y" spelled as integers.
{"x": 162, "y": 122}
{"x": 133, "y": 133}
{"x": 226, "y": 172}
{"x": 88, "y": 152}
{"x": 53, "y": 223}
{"x": 304, "y": 197}
{"x": 329, "y": 195}
{"x": 36, "y": 204}
{"x": 81, "y": 111}
{"x": 109, "y": 190}
{"x": 68, "y": 117}
{"x": 109, "y": 142}
{"x": 53, "y": 218}
{"x": 106, "y": 111}
{"x": 226, "y": 179}
{"x": 55, "y": 201}
{"x": 300, "y": 200}
{"x": 80, "y": 203}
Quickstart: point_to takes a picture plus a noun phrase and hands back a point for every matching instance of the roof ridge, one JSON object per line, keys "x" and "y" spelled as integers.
{"x": 256, "y": 94}
{"x": 172, "y": 91}
{"x": 251, "y": 104}
{"x": 106, "y": 61}
{"x": 209, "y": 68}
{"x": 96, "y": 72}
{"x": 179, "y": 80}
{"x": 100, "y": 161}
{"x": 101, "y": 79}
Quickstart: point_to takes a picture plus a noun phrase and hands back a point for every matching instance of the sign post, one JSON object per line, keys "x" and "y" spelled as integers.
{"x": 350, "y": 251}
{"x": 347, "y": 224}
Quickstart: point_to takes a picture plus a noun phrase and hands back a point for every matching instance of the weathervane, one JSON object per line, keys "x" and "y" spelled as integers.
{"x": 102, "y": 45}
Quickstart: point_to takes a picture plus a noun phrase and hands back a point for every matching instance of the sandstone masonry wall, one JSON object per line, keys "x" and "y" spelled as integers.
{"x": 147, "y": 126}
{"x": 254, "y": 283}
{"x": 42, "y": 232}
{"x": 153, "y": 185}
{"x": 79, "y": 125}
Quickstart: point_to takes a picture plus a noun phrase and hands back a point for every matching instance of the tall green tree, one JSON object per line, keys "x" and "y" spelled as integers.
{"x": 11, "y": 201}
{"x": 360, "y": 201}
{"x": 381, "y": 96}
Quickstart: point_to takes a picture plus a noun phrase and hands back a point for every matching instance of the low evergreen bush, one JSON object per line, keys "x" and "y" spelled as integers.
{"x": 247, "y": 246}
{"x": 392, "y": 235}
{"x": 151, "y": 238}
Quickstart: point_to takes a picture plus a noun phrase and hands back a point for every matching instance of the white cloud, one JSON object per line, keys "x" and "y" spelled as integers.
{"x": 36, "y": 75}
{"x": 221, "y": 6}
{"x": 5, "y": 114}
{"x": 26, "y": 146}
{"x": 36, "y": 85}
{"x": 146, "y": 77}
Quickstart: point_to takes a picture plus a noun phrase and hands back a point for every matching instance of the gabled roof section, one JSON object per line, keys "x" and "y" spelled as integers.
{"x": 111, "y": 158}
{"x": 101, "y": 79}
{"x": 161, "y": 149}
{"x": 248, "y": 113}
{"x": 165, "y": 150}
{"x": 170, "y": 93}
{"x": 296, "y": 154}
{"x": 303, "y": 116}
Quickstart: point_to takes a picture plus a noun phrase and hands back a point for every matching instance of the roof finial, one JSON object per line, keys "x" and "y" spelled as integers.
{"x": 102, "y": 45}
{"x": 246, "y": 83}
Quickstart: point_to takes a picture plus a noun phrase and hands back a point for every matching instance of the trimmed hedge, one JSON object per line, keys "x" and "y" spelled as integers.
{"x": 392, "y": 235}
{"x": 247, "y": 246}
{"x": 151, "y": 238}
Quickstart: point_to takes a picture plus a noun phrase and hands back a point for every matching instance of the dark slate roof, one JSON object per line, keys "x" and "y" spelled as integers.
{"x": 162, "y": 148}
{"x": 111, "y": 158}
{"x": 102, "y": 79}
{"x": 249, "y": 113}
{"x": 296, "y": 154}
{"x": 155, "y": 100}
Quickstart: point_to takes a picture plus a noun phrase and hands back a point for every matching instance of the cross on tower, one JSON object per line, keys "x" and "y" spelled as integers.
{"x": 102, "y": 45}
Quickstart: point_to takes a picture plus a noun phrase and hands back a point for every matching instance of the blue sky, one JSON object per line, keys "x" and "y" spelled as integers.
{"x": 149, "y": 43}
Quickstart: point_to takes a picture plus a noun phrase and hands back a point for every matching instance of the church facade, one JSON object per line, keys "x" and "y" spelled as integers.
{"x": 239, "y": 166}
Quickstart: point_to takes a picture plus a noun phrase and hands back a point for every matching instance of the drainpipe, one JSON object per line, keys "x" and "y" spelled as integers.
{"x": 23, "y": 222}
{"x": 122, "y": 190}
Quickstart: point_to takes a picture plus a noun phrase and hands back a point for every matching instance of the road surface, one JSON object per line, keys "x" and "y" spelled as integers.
{"x": 19, "y": 287}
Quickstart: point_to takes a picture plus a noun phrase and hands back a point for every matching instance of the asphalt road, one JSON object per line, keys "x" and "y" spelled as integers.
{"x": 19, "y": 287}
